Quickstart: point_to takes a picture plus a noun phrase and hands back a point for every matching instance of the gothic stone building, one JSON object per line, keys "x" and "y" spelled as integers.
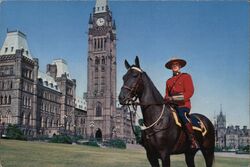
{"x": 232, "y": 136}
{"x": 45, "y": 103}
{"x": 104, "y": 118}
{"x": 39, "y": 103}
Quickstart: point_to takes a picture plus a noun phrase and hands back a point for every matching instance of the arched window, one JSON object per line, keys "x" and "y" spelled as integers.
{"x": 46, "y": 123}
{"x": 30, "y": 102}
{"x": 9, "y": 101}
{"x": 97, "y": 61}
{"x": 95, "y": 44}
{"x": 28, "y": 119}
{"x": 98, "y": 109}
{"x": 1, "y": 100}
{"x": 51, "y": 123}
{"x": 98, "y": 43}
{"x": 9, "y": 117}
{"x": 5, "y": 99}
{"x": 23, "y": 118}
{"x": 103, "y": 60}
{"x": 101, "y": 43}
{"x": 105, "y": 40}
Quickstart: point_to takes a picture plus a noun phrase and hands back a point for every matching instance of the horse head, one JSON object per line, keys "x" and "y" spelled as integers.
{"x": 132, "y": 83}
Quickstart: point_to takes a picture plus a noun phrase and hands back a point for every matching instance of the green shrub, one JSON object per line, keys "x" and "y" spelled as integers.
{"x": 76, "y": 138}
{"x": 247, "y": 148}
{"x": 13, "y": 132}
{"x": 217, "y": 149}
{"x": 138, "y": 134}
{"x": 61, "y": 139}
{"x": 91, "y": 142}
{"x": 117, "y": 143}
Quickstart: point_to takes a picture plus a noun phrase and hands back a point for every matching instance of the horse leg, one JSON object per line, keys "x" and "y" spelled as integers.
{"x": 166, "y": 161}
{"x": 153, "y": 160}
{"x": 209, "y": 156}
{"x": 189, "y": 158}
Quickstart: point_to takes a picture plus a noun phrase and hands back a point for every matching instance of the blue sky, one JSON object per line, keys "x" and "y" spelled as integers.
{"x": 212, "y": 36}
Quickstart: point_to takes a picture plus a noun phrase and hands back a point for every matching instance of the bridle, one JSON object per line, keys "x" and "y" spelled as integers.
{"x": 133, "y": 95}
{"x": 131, "y": 100}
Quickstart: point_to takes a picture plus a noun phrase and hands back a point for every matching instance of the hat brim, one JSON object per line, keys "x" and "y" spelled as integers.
{"x": 182, "y": 63}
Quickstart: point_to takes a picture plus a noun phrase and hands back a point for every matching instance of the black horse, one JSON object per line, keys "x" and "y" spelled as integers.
{"x": 162, "y": 137}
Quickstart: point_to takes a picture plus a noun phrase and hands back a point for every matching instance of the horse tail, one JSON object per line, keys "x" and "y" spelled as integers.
{"x": 208, "y": 141}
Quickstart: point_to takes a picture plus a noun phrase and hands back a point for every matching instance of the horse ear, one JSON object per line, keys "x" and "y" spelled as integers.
{"x": 137, "y": 62}
{"x": 127, "y": 64}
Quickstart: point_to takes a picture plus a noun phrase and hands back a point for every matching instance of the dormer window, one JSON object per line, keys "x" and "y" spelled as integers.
{"x": 27, "y": 52}
{"x": 6, "y": 49}
{"x": 12, "y": 49}
{"x": 46, "y": 83}
{"x": 102, "y": 7}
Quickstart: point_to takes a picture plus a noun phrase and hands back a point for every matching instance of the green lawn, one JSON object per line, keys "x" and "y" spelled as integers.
{"x": 37, "y": 154}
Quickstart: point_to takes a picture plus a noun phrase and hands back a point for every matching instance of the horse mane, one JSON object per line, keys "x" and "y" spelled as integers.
{"x": 155, "y": 91}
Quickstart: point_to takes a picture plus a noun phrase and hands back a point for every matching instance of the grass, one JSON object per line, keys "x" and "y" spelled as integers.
{"x": 38, "y": 154}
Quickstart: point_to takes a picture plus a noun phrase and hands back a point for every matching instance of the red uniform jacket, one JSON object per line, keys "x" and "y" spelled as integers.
{"x": 181, "y": 84}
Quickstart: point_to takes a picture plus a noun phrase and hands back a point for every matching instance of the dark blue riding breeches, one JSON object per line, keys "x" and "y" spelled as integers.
{"x": 183, "y": 113}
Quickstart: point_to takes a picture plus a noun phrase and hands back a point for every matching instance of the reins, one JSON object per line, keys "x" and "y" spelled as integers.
{"x": 147, "y": 127}
{"x": 133, "y": 102}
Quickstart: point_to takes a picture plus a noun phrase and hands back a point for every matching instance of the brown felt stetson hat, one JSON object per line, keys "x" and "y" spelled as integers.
{"x": 180, "y": 61}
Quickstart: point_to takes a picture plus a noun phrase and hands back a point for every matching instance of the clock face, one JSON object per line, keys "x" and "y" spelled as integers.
{"x": 100, "y": 21}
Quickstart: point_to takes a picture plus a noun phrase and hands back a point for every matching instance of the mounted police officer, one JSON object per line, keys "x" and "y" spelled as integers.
{"x": 179, "y": 90}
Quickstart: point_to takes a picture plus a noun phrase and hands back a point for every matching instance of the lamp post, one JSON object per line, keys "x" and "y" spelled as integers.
{"x": 92, "y": 125}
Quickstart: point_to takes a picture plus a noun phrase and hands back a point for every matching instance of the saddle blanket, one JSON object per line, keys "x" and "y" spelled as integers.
{"x": 196, "y": 122}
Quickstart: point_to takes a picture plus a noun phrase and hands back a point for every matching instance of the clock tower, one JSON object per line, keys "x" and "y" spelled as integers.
{"x": 101, "y": 84}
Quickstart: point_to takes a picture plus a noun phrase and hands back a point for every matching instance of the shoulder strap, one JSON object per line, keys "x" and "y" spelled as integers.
{"x": 174, "y": 84}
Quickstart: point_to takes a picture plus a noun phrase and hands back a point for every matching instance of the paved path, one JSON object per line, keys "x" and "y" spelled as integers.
{"x": 219, "y": 154}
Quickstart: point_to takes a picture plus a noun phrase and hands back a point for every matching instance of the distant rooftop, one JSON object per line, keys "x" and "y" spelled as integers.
{"x": 48, "y": 81}
{"x": 62, "y": 67}
{"x": 101, "y": 6}
{"x": 81, "y": 103}
{"x": 13, "y": 41}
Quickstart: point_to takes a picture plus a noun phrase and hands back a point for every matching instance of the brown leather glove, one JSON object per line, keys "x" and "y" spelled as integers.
{"x": 168, "y": 99}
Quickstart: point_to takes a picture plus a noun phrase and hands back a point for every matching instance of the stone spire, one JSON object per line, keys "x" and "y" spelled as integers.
{"x": 221, "y": 109}
{"x": 114, "y": 26}
{"x": 101, "y": 6}
{"x": 90, "y": 19}
{"x": 13, "y": 41}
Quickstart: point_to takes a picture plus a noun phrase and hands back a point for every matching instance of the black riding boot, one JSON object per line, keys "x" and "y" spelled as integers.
{"x": 190, "y": 133}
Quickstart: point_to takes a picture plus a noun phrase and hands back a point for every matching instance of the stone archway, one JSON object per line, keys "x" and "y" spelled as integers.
{"x": 98, "y": 134}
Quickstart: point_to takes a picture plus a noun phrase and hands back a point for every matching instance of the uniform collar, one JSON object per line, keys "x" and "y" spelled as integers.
{"x": 176, "y": 73}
